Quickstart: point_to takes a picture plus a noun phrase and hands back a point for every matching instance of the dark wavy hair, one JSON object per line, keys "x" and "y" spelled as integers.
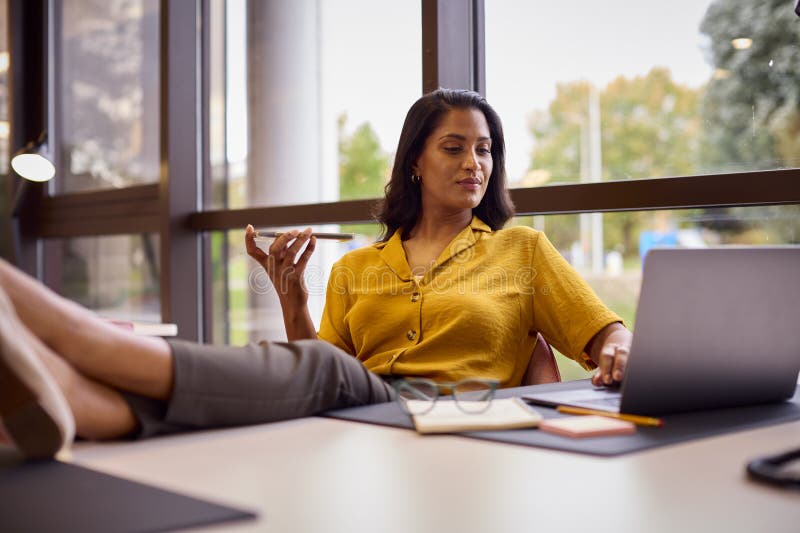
{"x": 402, "y": 200}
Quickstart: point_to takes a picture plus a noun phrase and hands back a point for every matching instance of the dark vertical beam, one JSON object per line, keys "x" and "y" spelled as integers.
{"x": 27, "y": 82}
{"x": 5, "y": 189}
{"x": 179, "y": 190}
{"x": 479, "y": 46}
{"x": 452, "y": 45}
{"x": 207, "y": 184}
{"x": 54, "y": 250}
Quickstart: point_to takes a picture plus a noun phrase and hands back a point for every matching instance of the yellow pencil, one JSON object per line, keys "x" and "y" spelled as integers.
{"x": 636, "y": 419}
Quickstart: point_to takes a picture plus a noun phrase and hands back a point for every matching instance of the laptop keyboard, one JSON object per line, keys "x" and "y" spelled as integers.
{"x": 606, "y": 402}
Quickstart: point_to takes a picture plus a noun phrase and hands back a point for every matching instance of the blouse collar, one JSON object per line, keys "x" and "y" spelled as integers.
{"x": 394, "y": 255}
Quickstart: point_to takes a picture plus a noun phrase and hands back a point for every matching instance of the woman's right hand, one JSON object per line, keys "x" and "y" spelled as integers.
{"x": 286, "y": 274}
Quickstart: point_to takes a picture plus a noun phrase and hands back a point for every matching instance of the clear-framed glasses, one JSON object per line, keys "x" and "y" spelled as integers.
{"x": 417, "y": 396}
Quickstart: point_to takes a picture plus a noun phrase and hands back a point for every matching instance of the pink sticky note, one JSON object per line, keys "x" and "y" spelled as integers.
{"x": 587, "y": 426}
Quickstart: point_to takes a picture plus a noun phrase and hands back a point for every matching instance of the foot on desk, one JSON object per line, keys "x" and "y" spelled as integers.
{"x": 33, "y": 411}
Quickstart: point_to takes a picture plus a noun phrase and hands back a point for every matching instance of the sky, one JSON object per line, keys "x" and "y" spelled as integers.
{"x": 370, "y": 58}
{"x": 532, "y": 45}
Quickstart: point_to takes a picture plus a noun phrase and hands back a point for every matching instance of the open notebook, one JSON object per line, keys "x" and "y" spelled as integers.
{"x": 446, "y": 417}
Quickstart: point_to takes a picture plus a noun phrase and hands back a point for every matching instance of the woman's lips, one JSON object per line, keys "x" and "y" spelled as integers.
{"x": 471, "y": 184}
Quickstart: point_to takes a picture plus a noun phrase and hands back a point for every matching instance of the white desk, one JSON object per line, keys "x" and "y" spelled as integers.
{"x": 321, "y": 475}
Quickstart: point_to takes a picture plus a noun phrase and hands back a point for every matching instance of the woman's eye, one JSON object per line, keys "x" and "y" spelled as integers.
{"x": 452, "y": 149}
{"x": 484, "y": 150}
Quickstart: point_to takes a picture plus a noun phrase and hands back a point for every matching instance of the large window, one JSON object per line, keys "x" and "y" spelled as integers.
{"x": 313, "y": 96}
{"x": 108, "y": 93}
{"x": 593, "y": 91}
{"x": 624, "y": 90}
{"x": 288, "y": 115}
{"x": 107, "y": 130}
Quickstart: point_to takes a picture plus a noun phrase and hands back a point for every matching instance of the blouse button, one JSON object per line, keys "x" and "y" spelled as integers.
{"x": 415, "y": 297}
{"x": 411, "y": 334}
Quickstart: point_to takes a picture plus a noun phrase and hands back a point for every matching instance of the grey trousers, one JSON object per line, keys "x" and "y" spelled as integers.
{"x": 230, "y": 386}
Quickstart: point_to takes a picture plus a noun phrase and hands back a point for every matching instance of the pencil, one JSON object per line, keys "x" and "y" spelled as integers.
{"x": 636, "y": 419}
{"x": 331, "y": 236}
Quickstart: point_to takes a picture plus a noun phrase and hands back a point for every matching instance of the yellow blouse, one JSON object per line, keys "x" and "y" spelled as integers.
{"x": 475, "y": 313}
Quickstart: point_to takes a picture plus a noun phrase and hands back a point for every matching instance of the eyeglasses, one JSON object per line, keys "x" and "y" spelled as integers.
{"x": 417, "y": 396}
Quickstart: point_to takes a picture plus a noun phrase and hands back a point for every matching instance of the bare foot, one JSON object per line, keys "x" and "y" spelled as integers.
{"x": 34, "y": 412}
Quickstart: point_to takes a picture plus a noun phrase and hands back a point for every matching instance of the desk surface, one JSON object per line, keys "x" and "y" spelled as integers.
{"x": 318, "y": 474}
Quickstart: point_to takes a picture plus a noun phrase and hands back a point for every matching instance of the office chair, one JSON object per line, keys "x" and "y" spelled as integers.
{"x": 542, "y": 367}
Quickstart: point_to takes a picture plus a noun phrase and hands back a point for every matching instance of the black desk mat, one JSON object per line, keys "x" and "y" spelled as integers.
{"x": 45, "y": 496}
{"x": 677, "y": 428}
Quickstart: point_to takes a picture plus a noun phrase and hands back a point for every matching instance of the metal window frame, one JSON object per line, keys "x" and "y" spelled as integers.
{"x": 453, "y": 56}
{"x": 27, "y": 114}
{"x": 452, "y": 45}
{"x": 180, "y": 187}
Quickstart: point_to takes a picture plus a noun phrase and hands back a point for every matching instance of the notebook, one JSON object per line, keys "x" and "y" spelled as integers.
{"x": 715, "y": 327}
{"x": 446, "y": 417}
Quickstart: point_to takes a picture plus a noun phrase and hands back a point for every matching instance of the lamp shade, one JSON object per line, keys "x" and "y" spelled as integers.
{"x": 29, "y": 163}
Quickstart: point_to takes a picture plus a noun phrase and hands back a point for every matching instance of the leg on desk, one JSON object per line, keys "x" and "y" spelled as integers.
{"x": 94, "y": 347}
{"x": 100, "y": 411}
{"x": 43, "y": 398}
{"x": 219, "y": 386}
{"x": 107, "y": 374}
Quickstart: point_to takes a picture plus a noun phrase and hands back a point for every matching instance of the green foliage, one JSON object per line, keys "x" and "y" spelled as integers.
{"x": 218, "y": 247}
{"x": 363, "y": 168}
{"x": 650, "y": 128}
{"x": 747, "y": 117}
{"x": 557, "y": 132}
{"x": 752, "y": 106}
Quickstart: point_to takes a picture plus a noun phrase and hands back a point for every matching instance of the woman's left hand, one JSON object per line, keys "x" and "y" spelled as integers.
{"x": 610, "y": 349}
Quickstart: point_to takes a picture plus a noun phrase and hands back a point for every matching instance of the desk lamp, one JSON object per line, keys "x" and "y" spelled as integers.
{"x": 30, "y": 163}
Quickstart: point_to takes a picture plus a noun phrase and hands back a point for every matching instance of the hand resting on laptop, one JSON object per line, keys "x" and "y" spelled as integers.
{"x": 610, "y": 349}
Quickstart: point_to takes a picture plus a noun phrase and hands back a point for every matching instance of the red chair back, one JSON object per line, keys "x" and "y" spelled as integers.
{"x": 542, "y": 367}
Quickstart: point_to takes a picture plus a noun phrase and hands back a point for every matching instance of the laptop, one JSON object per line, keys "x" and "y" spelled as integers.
{"x": 715, "y": 327}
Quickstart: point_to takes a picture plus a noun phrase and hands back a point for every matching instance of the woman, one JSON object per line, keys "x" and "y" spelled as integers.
{"x": 446, "y": 293}
{"x": 65, "y": 371}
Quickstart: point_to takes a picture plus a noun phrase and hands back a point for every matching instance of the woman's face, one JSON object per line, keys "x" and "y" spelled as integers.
{"x": 456, "y": 162}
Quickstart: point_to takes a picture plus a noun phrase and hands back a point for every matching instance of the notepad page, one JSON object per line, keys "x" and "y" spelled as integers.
{"x": 447, "y": 417}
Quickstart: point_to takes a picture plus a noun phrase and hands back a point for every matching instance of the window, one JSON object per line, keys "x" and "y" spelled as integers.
{"x": 594, "y": 91}
{"x": 107, "y": 107}
{"x": 304, "y": 102}
{"x": 118, "y": 277}
{"x": 628, "y": 236}
{"x": 108, "y": 91}
{"x": 313, "y": 96}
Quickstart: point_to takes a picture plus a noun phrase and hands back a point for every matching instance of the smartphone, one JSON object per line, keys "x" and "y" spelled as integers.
{"x": 266, "y": 235}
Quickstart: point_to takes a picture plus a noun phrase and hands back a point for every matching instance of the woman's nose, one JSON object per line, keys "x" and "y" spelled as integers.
{"x": 470, "y": 160}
